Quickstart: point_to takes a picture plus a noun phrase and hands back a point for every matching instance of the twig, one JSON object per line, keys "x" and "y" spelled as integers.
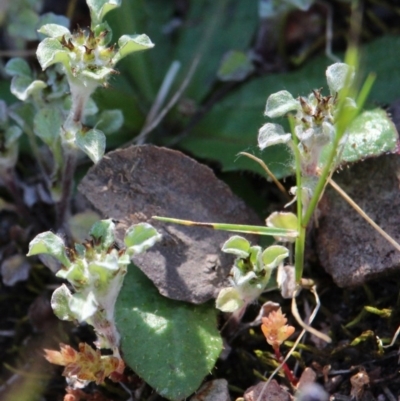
{"x": 162, "y": 94}
{"x": 168, "y": 107}
{"x": 267, "y": 170}
{"x": 363, "y": 214}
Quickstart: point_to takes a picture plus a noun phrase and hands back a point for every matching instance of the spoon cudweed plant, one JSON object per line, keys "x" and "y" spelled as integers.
{"x": 87, "y": 60}
{"x": 95, "y": 270}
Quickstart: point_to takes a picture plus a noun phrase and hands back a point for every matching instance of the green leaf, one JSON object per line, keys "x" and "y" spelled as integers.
{"x": 50, "y": 51}
{"x": 83, "y": 306}
{"x": 130, "y": 44}
{"x": 238, "y": 246}
{"x": 140, "y": 237}
{"x": 372, "y": 133}
{"x": 280, "y": 103}
{"x": 172, "y": 345}
{"x": 51, "y": 244}
{"x": 283, "y": 220}
{"x": 235, "y": 66}
{"x": 60, "y": 301}
{"x": 76, "y": 274}
{"x": 54, "y": 30}
{"x": 18, "y": 67}
{"x": 274, "y": 255}
{"x": 338, "y": 76}
{"x": 93, "y": 143}
{"x": 47, "y": 125}
{"x": 103, "y": 231}
{"x": 51, "y": 18}
{"x": 99, "y": 8}
{"x": 23, "y": 87}
{"x": 272, "y": 134}
{"x": 102, "y": 272}
{"x": 229, "y": 300}
{"x": 110, "y": 121}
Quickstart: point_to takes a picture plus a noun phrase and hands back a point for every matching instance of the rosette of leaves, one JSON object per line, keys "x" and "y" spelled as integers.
{"x": 87, "y": 60}
{"x": 47, "y": 103}
{"x": 316, "y": 121}
{"x": 95, "y": 270}
{"x": 250, "y": 273}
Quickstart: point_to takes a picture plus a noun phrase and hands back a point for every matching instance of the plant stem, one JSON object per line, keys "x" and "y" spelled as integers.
{"x": 285, "y": 367}
{"x": 301, "y": 227}
{"x": 66, "y": 187}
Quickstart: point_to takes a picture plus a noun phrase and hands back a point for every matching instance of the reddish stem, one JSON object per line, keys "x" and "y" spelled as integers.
{"x": 288, "y": 372}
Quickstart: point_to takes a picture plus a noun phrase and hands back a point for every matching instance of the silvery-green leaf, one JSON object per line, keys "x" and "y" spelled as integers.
{"x": 283, "y": 220}
{"x": 280, "y": 103}
{"x": 76, "y": 274}
{"x": 49, "y": 243}
{"x": 92, "y": 142}
{"x": 99, "y": 75}
{"x": 274, "y": 255}
{"x": 372, "y": 133}
{"x": 50, "y": 51}
{"x": 47, "y": 125}
{"x": 103, "y": 231}
{"x": 338, "y": 76}
{"x": 238, "y": 246}
{"x": 60, "y": 301}
{"x": 255, "y": 258}
{"x": 51, "y": 18}
{"x": 250, "y": 288}
{"x": 229, "y": 300}
{"x": 18, "y": 67}
{"x": 54, "y": 30}
{"x": 272, "y": 134}
{"x": 99, "y": 8}
{"x": 110, "y": 121}
{"x": 103, "y": 272}
{"x": 23, "y": 87}
{"x": 241, "y": 279}
{"x": 132, "y": 43}
{"x": 140, "y": 237}
{"x": 83, "y": 305}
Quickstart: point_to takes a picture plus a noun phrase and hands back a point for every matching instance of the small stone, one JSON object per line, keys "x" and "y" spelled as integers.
{"x": 132, "y": 185}
{"x": 272, "y": 392}
{"x": 215, "y": 390}
{"x": 349, "y": 248}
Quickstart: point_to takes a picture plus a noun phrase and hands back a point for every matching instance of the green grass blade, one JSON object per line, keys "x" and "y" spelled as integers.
{"x": 236, "y": 228}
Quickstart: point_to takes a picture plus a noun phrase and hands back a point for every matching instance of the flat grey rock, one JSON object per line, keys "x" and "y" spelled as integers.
{"x": 131, "y": 185}
{"x": 349, "y": 249}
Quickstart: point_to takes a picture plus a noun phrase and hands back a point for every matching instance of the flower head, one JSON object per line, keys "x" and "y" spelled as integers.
{"x": 275, "y": 329}
{"x": 87, "y": 363}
